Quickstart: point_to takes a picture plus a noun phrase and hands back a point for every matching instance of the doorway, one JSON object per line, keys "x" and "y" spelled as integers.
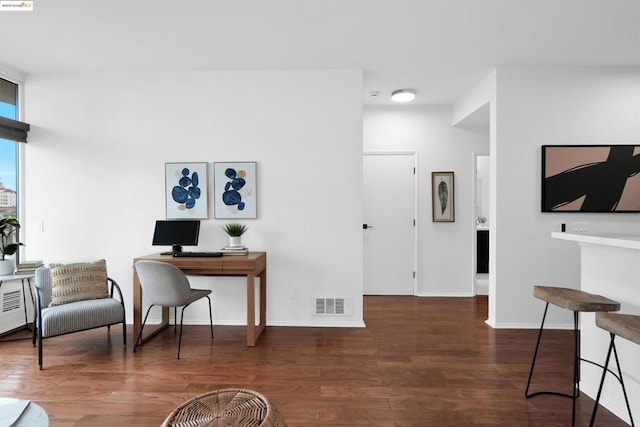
{"x": 389, "y": 231}
{"x": 482, "y": 216}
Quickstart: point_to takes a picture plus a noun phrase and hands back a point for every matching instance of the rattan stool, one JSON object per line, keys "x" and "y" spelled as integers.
{"x": 626, "y": 326}
{"x": 576, "y": 301}
{"x": 228, "y": 407}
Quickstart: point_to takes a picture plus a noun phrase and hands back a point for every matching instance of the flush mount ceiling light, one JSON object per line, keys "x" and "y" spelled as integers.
{"x": 403, "y": 95}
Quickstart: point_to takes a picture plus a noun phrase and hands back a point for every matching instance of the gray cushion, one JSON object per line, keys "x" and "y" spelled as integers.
{"x": 80, "y": 315}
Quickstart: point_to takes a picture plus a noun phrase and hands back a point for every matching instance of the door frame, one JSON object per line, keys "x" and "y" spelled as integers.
{"x": 416, "y": 212}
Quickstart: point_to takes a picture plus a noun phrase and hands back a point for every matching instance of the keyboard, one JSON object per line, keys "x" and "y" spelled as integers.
{"x": 197, "y": 254}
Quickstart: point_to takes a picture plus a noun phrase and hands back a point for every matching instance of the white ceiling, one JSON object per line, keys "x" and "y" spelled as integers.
{"x": 440, "y": 48}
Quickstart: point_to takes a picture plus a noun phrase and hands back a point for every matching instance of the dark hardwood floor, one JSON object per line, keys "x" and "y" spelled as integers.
{"x": 419, "y": 362}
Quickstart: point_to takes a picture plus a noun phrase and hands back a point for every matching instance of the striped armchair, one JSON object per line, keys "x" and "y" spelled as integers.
{"x": 75, "y": 316}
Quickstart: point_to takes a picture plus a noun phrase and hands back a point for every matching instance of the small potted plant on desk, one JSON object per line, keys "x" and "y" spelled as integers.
{"x": 8, "y": 228}
{"x": 235, "y": 231}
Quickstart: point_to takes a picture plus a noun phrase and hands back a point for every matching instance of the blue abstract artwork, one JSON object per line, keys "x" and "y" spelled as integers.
{"x": 235, "y": 190}
{"x": 186, "y": 190}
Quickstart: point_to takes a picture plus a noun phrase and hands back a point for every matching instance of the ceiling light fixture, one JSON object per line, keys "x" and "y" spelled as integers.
{"x": 403, "y": 95}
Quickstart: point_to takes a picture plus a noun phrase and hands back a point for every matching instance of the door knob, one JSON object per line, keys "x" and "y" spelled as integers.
{"x": 365, "y": 226}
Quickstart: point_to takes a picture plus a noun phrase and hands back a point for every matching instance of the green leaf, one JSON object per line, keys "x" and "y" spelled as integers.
{"x": 234, "y": 229}
{"x": 443, "y": 196}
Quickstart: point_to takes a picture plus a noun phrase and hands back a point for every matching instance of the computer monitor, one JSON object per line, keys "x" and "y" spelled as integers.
{"x": 176, "y": 233}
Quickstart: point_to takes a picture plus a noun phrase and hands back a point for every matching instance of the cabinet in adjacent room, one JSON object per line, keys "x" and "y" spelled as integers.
{"x": 482, "y": 262}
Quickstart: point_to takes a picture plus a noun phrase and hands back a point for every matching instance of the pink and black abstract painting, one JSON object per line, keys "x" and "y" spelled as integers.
{"x": 590, "y": 178}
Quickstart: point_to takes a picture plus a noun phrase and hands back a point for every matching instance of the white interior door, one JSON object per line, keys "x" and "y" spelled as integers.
{"x": 389, "y": 213}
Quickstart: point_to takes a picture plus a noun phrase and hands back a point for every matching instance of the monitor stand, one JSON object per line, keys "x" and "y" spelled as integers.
{"x": 174, "y": 249}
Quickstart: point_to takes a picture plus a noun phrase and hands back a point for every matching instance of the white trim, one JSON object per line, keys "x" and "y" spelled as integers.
{"x": 446, "y": 295}
{"x": 296, "y": 324}
{"x": 12, "y": 74}
{"x": 560, "y": 326}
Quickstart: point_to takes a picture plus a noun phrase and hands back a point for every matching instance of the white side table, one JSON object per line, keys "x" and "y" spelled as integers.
{"x": 23, "y": 278}
{"x": 14, "y": 413}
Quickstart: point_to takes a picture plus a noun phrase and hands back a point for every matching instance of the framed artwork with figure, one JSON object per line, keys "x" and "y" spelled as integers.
{"x": 235, "y": 190}
{"x": 442, "y": 197}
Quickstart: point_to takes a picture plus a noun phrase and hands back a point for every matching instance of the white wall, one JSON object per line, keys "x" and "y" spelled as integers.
{"x": 95, "y": 175}
{"x": 445, "y": 250}
{"x": 483, "y": 188}
{"x": 550, "y": 106}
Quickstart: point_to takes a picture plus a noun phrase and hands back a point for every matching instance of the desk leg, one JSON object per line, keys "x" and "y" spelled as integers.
{"x": 263, "y": 303}
{"x": 137, "y": 305}
{"x": 137, "y": 313}
{"x": 253, "y": 331}
{"x": 251, "y": 310}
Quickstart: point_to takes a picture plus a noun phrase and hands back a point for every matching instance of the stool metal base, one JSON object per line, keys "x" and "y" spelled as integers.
{"x": 576, "y": 366}
{"x": 612, "y": 348}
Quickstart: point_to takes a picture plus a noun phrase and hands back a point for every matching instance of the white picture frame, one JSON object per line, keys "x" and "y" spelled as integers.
{"x": 235, "y": 190}
{"x": 186, "y": 190}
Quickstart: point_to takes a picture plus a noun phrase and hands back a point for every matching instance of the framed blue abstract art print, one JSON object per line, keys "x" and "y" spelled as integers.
{"x": 186, "y": 190}
{"x": 235, "y": 190}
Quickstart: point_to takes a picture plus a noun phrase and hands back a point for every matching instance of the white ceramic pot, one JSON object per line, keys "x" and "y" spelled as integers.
{"x": 235, "y": 241}
{"x": 7, "y": 267}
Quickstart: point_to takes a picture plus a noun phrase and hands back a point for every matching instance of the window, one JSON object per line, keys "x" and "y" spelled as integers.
{"x": 8, "y": 152}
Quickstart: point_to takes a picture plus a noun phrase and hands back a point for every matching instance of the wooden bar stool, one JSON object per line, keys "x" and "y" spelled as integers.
{"x": 576, "y": 301}
{"x": 626, "y": 326}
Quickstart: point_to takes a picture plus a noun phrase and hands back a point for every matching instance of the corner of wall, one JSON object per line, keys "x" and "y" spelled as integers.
{"x": 479, "y": 96}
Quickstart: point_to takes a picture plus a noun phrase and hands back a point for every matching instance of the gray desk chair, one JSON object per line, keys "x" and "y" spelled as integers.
{"x": 167, "y": 286}
{"x": 74, "y": 316}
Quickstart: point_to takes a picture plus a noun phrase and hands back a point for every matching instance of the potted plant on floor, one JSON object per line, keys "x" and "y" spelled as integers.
{"x": 8, "y": 246}
{"x": 235, "y": 231}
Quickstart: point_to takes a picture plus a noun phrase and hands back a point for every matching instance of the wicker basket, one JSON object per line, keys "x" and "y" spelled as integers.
{"x": 228, "y": 407}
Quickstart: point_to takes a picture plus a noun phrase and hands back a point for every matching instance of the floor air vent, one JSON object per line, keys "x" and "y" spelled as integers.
{"x": 331, "y": 306}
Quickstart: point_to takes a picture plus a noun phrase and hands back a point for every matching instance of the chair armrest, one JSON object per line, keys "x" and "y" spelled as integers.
{"x": 114, "y": 285}
{"x": 38, "y": 301}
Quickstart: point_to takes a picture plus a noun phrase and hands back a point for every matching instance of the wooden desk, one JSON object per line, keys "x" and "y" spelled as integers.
{"x": 252, "y": 265}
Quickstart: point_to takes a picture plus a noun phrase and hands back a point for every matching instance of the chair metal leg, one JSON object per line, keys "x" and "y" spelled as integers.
{"x": 576, "y": 365}
{"x": 139, "y": 339}
{"x": 624, "y": 390}
{"x": 124, "y": 331}
{"x": 604, "y": 374}
{"x": 210, "y": 316}
{"x": 40, "y": 351}
{"x": 39, "y": 333}
{"x": 180, "y": 337}
{"x": 612, "y": 348}
{"x": 535, "y": 353}
{"x": 34, "y": 331}
{"x": 175, "y": 319}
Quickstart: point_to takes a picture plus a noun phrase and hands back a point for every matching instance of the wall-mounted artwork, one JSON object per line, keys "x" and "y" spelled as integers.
{"x": 442, "y": 196}
{"x": 590, "y": 178}
{"x": 186, "y": 190}
{"x": 235, "y": 190}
